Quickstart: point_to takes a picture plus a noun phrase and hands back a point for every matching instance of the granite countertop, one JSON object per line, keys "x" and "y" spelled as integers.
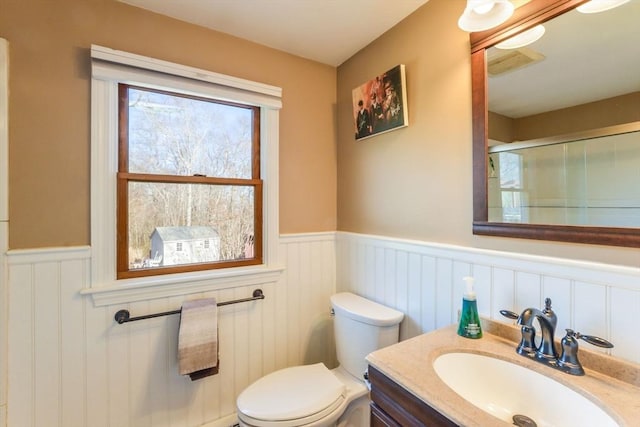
{"x": 612, "y": 382}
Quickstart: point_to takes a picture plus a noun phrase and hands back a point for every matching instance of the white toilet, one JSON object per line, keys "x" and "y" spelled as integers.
{"x": 313, "y": 395}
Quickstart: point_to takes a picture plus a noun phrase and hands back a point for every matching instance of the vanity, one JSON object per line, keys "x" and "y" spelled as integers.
{"x": 392, "y": 405}
{"x": 407, "y": 390}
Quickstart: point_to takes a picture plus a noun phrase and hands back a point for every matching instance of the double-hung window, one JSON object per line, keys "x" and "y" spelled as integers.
{"x": 184, "y": 179}
{"x": 188, "y": 173}
{"x": 513, "y": 193}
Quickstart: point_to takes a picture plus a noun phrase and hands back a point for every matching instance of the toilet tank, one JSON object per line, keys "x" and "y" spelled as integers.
{"x": 360, "y": 327}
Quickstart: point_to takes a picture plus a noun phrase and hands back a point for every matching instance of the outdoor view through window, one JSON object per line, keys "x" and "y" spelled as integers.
{"x": 189, "y": 188}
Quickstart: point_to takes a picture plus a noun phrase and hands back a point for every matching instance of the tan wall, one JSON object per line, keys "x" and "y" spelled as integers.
{"x": 608, "y": 112}
{"x": 416, "y": 182}
{"x": 593, "y": 115}
{"x": 500, "y": 128}
{"x": 413, "y": 183}
{"x": 49, "y": 104}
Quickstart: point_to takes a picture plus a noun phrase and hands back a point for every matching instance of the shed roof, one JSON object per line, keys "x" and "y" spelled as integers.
{"x": 171, "y": 234}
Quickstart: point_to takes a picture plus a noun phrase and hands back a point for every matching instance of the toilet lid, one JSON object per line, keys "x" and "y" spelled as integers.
{"x": 292, "y": 393}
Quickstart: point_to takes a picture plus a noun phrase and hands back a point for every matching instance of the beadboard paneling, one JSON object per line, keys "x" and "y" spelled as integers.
{"x": 4, "y": 276}
{"x": 71, "y": 365}
{"x": 424, "y": 281}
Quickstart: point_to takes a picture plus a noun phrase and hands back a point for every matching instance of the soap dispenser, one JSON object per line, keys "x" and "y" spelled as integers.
{"x": 469, "y": 320}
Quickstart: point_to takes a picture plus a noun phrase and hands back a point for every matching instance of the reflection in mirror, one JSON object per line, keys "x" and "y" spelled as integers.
{"x": 588, "y": 180}
{"x": 563, "y": 158}
{"x": 581, "y": 74}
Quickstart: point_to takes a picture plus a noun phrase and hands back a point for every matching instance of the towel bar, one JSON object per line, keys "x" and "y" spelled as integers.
{"x": 122, "y": 316}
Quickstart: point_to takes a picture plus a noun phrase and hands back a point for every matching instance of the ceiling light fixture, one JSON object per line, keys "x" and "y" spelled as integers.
{"x": 595, "y": 6}
{"x": 522, "y": 39}
{"x": 480, "y": 15}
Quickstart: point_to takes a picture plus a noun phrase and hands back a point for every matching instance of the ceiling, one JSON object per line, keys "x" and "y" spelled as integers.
{"x": 332, "y": 31}
{"x": 327, "y": 31}
{"x": 588, "y": 57}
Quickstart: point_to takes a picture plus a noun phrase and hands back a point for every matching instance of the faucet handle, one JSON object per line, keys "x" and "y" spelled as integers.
{"x": 509, "y": 314}
{"x": 597, "y": 341}
{"x": 568, "y": 361}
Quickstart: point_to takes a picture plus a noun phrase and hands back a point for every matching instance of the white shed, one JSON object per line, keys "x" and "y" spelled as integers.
{"x": 185, "y": 245}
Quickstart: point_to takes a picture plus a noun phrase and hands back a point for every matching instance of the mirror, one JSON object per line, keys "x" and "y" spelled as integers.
{"x": 562, "y": 122}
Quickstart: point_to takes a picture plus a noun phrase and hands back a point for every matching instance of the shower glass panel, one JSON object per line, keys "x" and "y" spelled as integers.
{"x": 593, "y": 182}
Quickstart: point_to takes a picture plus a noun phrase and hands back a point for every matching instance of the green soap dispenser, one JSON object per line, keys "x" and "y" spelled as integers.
{"x": 469, "y": 320}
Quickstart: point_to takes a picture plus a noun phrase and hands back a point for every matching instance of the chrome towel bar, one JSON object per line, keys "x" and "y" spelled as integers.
{"x": 123, "y": 316}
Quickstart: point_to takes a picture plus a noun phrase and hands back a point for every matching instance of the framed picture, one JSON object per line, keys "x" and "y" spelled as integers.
{"x": 380, "y": 105}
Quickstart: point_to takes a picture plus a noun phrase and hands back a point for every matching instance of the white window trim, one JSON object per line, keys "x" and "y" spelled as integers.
{"x": 109, "y": 68}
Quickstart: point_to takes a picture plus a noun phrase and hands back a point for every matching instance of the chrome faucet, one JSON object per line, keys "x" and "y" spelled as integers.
{"x": 548, "y": 321}
{"x": 545, "y": 352}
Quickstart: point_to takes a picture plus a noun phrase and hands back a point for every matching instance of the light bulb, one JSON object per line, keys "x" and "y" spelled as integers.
{"x": 595, "y": 6}
{"x": 481, "y": 15}
{"x": 483, "y": 8}
{"x": 523, "y": 39}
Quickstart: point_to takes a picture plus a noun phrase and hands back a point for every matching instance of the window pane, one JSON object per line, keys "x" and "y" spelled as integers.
{"x": 511, "y": 206}
{"x": 175, "y": 135}
{"x": 510, "y": 170}
{"x": 178, "y": 224}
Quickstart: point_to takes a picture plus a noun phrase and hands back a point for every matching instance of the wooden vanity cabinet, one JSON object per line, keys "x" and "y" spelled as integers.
{"x": 393, "y": 406}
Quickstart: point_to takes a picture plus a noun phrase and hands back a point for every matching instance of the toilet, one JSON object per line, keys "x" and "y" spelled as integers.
{"x": 313, "y": 395}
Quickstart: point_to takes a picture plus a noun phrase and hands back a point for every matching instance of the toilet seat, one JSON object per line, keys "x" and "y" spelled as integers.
{"x": 292, "y": 397}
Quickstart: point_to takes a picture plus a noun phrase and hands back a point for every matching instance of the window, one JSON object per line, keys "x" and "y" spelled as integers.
{"x": 514, "y": 197}
{"x": 147, "y": 91}
{"x": 188, "y": 170}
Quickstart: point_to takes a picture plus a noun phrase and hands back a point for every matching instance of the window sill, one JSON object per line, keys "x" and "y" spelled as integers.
{"x": 131, "y": 290}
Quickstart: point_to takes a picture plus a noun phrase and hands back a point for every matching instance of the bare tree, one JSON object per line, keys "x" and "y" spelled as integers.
{"x": 182, "y": 136}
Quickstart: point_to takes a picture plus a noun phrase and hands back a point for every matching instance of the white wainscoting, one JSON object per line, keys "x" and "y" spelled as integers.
{"x": 71, "y": 365}
{"x": 424, "y": 281}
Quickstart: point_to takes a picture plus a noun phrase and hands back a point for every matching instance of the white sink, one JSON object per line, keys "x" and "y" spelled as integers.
{"x": 504, "y": 389}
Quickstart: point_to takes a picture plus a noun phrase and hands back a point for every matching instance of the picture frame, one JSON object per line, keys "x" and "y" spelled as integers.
{"x": 380, "y": 104}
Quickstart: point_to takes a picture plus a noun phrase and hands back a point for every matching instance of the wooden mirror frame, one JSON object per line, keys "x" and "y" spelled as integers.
{"x": 524, "y": 17}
